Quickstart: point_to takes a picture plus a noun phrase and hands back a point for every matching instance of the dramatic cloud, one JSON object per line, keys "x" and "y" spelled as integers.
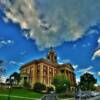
{"x": 51, "y": 22}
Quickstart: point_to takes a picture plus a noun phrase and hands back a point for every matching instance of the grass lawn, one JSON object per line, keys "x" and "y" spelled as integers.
{"x": 19, "y": 92}
{"x": 5, "y": 98}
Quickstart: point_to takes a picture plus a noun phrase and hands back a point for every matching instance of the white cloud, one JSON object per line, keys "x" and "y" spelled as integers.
{"x": 77, "y": 80}
{"x": 75, "y": 66}
{"x": 98, "y": 73}
{"x": 5, "y": 19}
{"x": 86, "y": 45}
{"x": 10, "y": 41}
{"x": 89, "y": 72}
{"x": 13, "y": 62}
{"x": 5, "y": 42}
{"x": 21, "y": 63}
{"x": 88, "y": 69}
{"x": 75, "y": 45}
{"x": 96, "y": 54}
{"x": 96, "y": 85}
{"x": 52, "y": 22}
{"x": 98, "y": 41}
{"x": 64, "y": 61}
{"x": 3, "y": 79}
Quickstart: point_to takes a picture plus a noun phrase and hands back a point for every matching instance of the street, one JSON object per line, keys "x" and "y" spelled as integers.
{"x": 93, "y": 98}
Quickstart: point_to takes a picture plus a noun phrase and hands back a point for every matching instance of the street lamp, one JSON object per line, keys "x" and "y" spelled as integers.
{"x": 10, "y": 86}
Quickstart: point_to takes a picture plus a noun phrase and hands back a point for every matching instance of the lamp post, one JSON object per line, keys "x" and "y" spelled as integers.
{"x": 10, "y": 87}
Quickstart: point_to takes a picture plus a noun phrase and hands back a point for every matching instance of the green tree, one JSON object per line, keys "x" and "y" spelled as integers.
{"x": 87, "y": 81}
{"x": 61, "y": 83}
{"x": 16, "y": 77}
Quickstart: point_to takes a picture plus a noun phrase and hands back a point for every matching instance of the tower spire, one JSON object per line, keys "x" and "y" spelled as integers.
{"x": 52, "y": 57}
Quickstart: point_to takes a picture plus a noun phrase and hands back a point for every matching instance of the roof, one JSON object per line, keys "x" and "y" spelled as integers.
{"x": 68, "y": 65}
{"x": 39, "y": 61}
{"x": 47, "y": 61}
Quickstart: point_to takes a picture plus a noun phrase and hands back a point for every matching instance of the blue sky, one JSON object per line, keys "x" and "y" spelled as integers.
{"x": 28, "y": 28}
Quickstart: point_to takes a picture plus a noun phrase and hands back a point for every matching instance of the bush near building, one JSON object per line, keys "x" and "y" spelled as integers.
{"x": 39, "y": 87}
{"x": 49, "y": 89}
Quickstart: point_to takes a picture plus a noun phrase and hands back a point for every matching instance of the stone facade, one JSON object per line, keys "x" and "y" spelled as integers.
{"x": 43, "y": 70}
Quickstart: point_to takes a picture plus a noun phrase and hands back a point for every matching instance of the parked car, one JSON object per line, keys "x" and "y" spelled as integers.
{"x": 83, "y": 95}
{"x": 80, "y": 96}
{"x": 94, "y": 93}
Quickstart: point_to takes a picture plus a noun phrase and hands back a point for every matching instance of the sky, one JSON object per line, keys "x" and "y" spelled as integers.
{"x": 28, "y": 28}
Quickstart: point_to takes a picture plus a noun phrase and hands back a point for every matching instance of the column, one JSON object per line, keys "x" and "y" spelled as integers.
{"x": 41, "y": 73}
{"x": 48, "y": 77}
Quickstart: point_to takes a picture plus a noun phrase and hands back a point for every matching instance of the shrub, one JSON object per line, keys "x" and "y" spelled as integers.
{"x": 39, "y": 87}
{"x": 49, "y": 89}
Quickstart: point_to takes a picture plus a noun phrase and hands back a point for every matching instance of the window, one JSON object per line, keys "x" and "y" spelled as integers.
{"x": 38, "y": 69}
{"x": 45, "y": 71}
{"x": 51, "y": 71}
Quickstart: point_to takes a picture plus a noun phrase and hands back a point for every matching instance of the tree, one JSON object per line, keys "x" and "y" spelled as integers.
{"x": 16, "y": 77}
{"x": 61, "y": 83}
{"x": 87, "y": 81}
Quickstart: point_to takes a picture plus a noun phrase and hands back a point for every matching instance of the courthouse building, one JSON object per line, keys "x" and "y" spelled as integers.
{"x": 43, "y": 70}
